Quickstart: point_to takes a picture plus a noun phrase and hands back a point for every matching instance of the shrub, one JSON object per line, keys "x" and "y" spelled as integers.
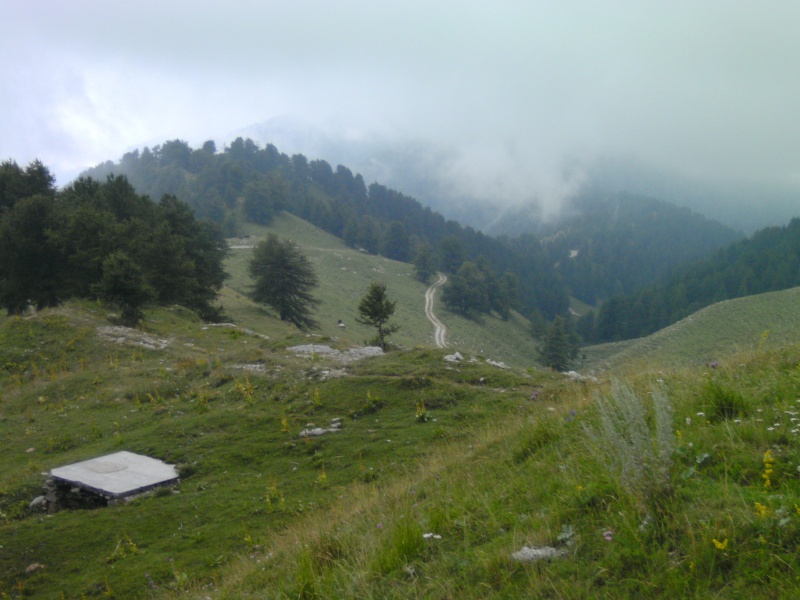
{"x": 640, "y": 458}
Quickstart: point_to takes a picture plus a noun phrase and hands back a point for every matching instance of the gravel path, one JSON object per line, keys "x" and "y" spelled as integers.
{"x": 439, "y": 330}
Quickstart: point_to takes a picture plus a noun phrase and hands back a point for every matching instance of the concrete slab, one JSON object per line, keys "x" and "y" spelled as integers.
{"x": 117, "y": 475}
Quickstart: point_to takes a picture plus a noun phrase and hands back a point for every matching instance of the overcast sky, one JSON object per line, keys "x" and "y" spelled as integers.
{"x": 520, "y": 90}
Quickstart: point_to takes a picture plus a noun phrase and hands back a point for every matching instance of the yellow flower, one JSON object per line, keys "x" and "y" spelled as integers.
{"x": 720, "y": 545}
{"x": 761, "y": 510}
{"x": 769, "y": 462}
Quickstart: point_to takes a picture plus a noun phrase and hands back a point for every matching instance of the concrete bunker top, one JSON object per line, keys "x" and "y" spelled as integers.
{"x": 117, "y": 475}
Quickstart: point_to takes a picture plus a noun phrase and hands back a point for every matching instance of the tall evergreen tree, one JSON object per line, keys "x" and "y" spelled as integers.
{"x": 558, "y": 351}
{"x": 284, "y": 279}
{"x": 466, "y": 291}
{"x": 424, "y": 263}
{"x": 375, "y": 310}
{"x": 395, "y": 246}
{"x": 31, "y": 265}
{"x": 123, "y": 284}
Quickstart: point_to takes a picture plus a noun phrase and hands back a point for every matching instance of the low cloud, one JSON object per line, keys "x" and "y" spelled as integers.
{"x": 516, "y": 101}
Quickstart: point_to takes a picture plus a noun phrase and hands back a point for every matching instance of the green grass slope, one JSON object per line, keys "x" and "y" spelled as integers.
{"x": 769, "y": 320}
{"x": 683, "y": 483}
{"x": 708, "y": 506}
{"x": 345, "y": 275}
{"x": 227, "y": 405}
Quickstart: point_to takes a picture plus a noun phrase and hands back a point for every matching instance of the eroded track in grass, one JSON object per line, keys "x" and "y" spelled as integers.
{"x": 439, "y": 329}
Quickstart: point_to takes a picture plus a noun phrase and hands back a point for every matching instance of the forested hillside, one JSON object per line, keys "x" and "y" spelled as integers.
{"x": 598, "y": 248}
{"x": 606, "y": 246}
{"x": 768, "y": 261}
{"x": 256, "y": 182}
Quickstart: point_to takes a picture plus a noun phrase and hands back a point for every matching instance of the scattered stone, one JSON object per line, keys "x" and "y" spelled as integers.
{"x": 526, "y": 554}
{"x": 130, "y": 337}
{"x": 575, "y": 376}
{"x": 252, "y": 367}
{"x": 317, "y": 431}
{"x": 349, "y": 355}
{"x": 312, "y": 431}
{"x": 431, "y": 536}
{"x": 500, "y": 365}
{"x": 33, "y": 567}
{"x": 38, "y": 503}
{"x": 233, "y": 326}
{"x": 454, "y": 357}
{"x": 29, "y": 450}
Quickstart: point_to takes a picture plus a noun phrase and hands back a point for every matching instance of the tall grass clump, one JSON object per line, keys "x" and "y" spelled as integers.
{"x": 721, "y": 403}
{"x": 637, "y": 454}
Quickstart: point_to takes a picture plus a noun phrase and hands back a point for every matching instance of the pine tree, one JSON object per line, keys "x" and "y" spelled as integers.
{"x": 283, "y": 279}
{"x": 123, "y": 284}
{"x": 559, "y": 349}
{"x": 424, "y": 263}
{"x": 375, "y": 309}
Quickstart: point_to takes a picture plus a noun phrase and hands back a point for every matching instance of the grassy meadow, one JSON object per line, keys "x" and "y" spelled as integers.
{"x": 664, "y": 478}
{"x": 764, "y": 321}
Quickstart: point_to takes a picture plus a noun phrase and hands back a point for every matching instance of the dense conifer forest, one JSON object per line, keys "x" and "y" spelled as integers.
{"x": 597, "y": 249}
{"x": 100, "y": 239}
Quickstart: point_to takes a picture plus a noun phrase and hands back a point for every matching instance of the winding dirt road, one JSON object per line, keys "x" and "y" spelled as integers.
{"x": 439, "y": 330}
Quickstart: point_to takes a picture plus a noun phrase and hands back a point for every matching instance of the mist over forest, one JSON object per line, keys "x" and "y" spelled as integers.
{"x": 445, "y": 178}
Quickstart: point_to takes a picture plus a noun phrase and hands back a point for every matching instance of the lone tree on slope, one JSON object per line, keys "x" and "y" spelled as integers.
{"x": 375, "y": 309}
{"x": 283, "y": 279}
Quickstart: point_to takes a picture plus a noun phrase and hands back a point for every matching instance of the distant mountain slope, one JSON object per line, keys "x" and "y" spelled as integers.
{"x": 609, "y": 245}
{"x": 713, "y": 333}
{"x": 768, "y": 261}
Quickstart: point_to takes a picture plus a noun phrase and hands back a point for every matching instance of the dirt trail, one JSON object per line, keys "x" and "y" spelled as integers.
{"x": 439, "y": 330}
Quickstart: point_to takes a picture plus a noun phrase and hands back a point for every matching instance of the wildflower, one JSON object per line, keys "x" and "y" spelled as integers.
{"x": 150, "y": 581}
{"x": 701, "y": 414}
{"x": 688, "y": 421}
{"x": 720, "y": 545}
{"x": 761, "y": 509}
{"x": 608, "y": 535}
{"x": 769, "y": 462}
{"x": 380, "y": 525}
